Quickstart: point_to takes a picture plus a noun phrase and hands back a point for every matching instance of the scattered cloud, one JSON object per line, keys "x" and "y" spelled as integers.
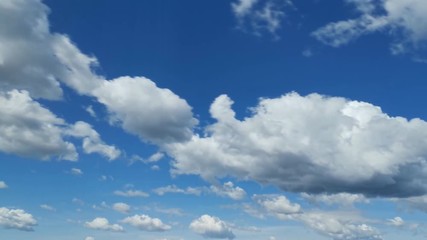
{"x": 278, "y": 205}
{"x": 76, "y": 171}
{"x": 228, "y": 190}
{"x": 343, "y": 199}
{"x": 258, "y": 16}
{"x": 16, "y": 219}
{"x": 131, "y": 193}
{"x": 92, "y": 113}
{"x": 211, "y": 227}
{"x": 47, "y": 207}
{"x": 121, "y": 207}
{"x": 416, "y": 202}
{"x": 3, "y": 185}
{"x": 100, "y": 223}
{"x": 174, "y": 189}
{"x": 403, "y": 20}
{"x": 146, "y": 223}
{"x": 397, "y": 222}
{"x": 310, "y": 144}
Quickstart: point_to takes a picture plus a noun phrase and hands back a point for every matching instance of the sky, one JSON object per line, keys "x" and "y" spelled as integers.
{"x": 225, "y": 119}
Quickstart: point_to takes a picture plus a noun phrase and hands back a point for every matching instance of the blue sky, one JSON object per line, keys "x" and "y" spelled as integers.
{"x": 230, "y": 119}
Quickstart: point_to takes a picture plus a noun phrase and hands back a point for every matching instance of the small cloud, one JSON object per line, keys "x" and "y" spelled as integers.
{"x": 76, "y": 171}
{"x": 131, "y": 193}
{"x": 3, "y": 185}
{"x": 174, "y": 189}
{"x": 307, "y": 53}
{"x": 78, "y": 201}
{"x": 121, "y": 207}
{"x": 397, "y": 222}
{"x": 229, "y": 190}
{"x": 103, "y": 224}
{"x": 146, "y": 223}
{"x": 91, "y": 112}
{"x": 211, "y": 227}
{"x": 47, "y": 207}
{"x": 89, "y": 238}
{"x": 155, "y": 168}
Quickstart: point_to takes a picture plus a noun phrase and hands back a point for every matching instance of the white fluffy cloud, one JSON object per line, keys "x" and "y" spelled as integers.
{"x": 174, "y": 189}
{"x": 92, "y": 142}
{"x": 16, "y": 219}
{"x": 28, "y": 129}
{"x": 310, "y": 144}
{"x": 344, "y": 199}
{"x": 278, "y": 205}
{"x": 396, "y": 221}
{"x": 76, "y": 171}
{"x": 130, "y": 103}
{"x": 3, "y": 185}
{"x": 405, "y": 19}
{"x": 229, "y": 190}
{"x": 100, "y": 223}
{"x": 211, "y": 227}
{"x": 258, "y": 16}
{"x": 131, "y": 193}
{"x": 36, "y": 60}
{"x": 121, "y": 207}
{"x": 146, "y": 223}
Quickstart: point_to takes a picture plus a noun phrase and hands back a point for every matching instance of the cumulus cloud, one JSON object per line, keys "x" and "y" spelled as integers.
{"x": 16, "y": 219}
{"x": 404, "y": 20}
{"x": 3, "y": 185}
{"x": 174, "y": 189}
{"x": 229, "y": 190}
{"x": 278, "y": 205}
{"x": 336, "y": 225}
{"x": 36, "y": 60}
{"x": 258, "y": 16}
{"x": 313, "y": 144}
{"x": 92, "y": 142}
{"x": 131, "y": 193}
{"x": 343, "y": 199}
{"x": 121, "y": 207}
{"x": 338, "y": 228}
{"x": 146, "y": 223}
{"x": 211, "y": 227}
{"x": 100, "y": 223}
{"x": 30, "y": 130}
{"x": 130, "y": 103}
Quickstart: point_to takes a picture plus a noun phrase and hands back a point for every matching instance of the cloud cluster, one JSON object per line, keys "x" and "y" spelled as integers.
{"x": 131, "y": 193}
{"x": 146, "y": 223}
{"x": 16, "y": 219}
{"x": 100, "y": 223}
{"x": 343, "y": 199}
{"x": 211, "y": 227}
{"x": 310, "y": 144}
{"x": 403, "y": 19}
{"x": 174, "y": 189}
{"x": 333, "y": 224}
{"x": 35, "y": 63}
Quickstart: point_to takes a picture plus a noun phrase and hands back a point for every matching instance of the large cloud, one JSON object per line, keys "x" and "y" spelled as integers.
{"x": 34, "y": 59}
{"x": 141, "y": 108}
{"x": 311, "y": 144}
{"x": 30, "y": 130}
{"x": 211, "y": 227}
{"x": 404, "y": 19}
{"x": 17, "y": 219}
